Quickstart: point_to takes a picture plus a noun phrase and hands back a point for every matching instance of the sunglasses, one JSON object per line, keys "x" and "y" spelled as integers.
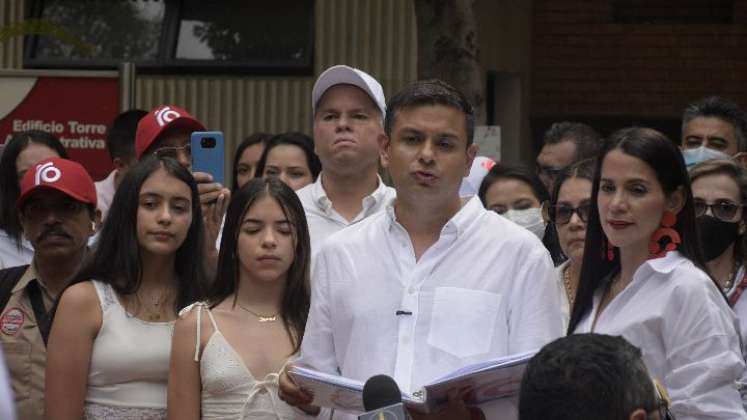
{"x": 173, "y": 151}
{"x": 562, "y": 214}
{"x": 723, "y": 210}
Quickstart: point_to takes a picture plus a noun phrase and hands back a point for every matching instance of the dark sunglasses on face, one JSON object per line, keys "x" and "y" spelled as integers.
{"x": 562, "y": 214}
{"x": 173, "y": 151}
{"x": 723, "y": 210}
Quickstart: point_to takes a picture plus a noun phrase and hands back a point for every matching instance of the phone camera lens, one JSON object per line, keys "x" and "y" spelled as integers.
{"x": 207, "y": 142}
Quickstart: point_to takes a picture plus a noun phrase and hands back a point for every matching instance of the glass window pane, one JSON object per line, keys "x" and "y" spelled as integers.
{"x": 100, "y": 30}
{"x": 279, "y": 32}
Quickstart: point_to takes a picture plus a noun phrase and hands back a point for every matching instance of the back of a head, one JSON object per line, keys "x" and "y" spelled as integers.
{"x": 723, "y": 109}
{"x": 587, "y": 140}
{"x": 430, "y": 92}
{"x": 120, "y": 138}
{"x": 586, "y": 377}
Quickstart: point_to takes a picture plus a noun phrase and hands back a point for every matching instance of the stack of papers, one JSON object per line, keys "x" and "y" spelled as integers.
{"x": 487, "y": 381}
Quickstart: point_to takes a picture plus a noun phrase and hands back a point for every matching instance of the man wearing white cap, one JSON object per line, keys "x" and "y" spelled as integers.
{"x": 349, "y": 109}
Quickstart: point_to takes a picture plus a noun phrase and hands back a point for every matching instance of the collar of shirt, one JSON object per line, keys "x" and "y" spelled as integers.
{"x": 459, "y": 222}
{"x": 319, "y": 196}
{"x": 30, "y": 275}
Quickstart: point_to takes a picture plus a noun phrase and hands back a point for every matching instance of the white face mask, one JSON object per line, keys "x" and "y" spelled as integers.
{"x": 530, "y": 219}
{"x": 701, "y": 154}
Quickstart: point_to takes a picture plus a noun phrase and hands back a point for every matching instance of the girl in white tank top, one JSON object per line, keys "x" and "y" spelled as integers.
{"x": 226, "y": 365}
{"x": 109, "y": 347}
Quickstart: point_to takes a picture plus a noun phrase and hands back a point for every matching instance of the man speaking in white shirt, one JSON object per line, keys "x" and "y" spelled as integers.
{"x": 432, "y": 283}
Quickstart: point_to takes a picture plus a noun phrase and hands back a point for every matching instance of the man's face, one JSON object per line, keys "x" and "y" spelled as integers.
{"x": 427, "y": 155}
{"x": 711, "y": 132}
{"x": 347, "y": 129}
{"x": 553, "y": 158}
{"x": 57, "y": 225}
{"x": 174, "y": 144}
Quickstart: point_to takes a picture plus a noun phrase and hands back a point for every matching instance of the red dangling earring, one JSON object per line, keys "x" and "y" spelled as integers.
{"x": 665, "y": 232}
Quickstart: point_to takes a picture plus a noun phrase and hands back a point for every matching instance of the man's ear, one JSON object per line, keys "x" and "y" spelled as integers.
{"x": 471, "y": 153}
{"x": 96, "y": 221}
{"x": 639, "y": 414}
{"x": 384, "y": 144}
{"x": 23, "y": 221}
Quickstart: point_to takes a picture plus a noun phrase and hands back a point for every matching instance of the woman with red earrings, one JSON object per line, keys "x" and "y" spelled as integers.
{"x": 649, "y": 282}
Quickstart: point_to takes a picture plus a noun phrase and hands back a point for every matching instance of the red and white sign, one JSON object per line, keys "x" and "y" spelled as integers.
{"x": 77, "y": 110}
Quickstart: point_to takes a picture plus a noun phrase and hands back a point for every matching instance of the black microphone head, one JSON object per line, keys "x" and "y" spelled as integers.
{"x": 380, "y": 391}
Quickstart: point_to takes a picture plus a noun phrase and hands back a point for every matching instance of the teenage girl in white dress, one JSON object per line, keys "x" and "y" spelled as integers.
{"x": 109, "y": 347}
{"x": 227, "y": 352}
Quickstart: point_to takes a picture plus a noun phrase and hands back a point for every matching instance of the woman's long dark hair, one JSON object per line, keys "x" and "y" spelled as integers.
{"x": 665, "y": 159}
{"x": 299, "y": 140}
{"x": 294, "y": 306}
{"x": 116, "y": 258}
{"x": 9, "y": 182}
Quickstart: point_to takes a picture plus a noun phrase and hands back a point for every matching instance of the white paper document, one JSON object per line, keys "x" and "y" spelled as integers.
{"x": 487, "y": 381}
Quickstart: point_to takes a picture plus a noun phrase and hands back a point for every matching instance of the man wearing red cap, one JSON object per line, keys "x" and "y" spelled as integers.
{"x": 166, "y": 131}
{"x": 58, "y": 213}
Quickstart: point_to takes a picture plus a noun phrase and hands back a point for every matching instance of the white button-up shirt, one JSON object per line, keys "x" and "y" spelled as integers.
{"x": 686, "y": 331}
{"x": 324, "y": 220}
{"x": 11, "y": 255}
{"x": 485, "y": 289}
{"x": 105, "y": 190}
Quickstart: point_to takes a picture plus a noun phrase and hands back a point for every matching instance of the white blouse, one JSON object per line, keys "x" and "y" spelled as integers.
{"x": 686, "y": 331}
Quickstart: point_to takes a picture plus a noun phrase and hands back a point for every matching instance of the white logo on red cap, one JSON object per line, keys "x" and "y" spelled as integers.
{"x": 165, "y": 115}
{"x": 47, "y": 173}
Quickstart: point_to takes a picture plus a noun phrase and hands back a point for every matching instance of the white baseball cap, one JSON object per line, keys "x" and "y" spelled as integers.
{"x": 345, "y": 75}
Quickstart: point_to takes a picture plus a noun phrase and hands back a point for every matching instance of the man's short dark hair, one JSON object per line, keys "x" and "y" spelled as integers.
{"x": 723, "y": 109}
{"x": 430, "y": 92}
{"x": 120, "y": 138}
{"x": 586, "y": 377}
{"x": 588, "y": 142}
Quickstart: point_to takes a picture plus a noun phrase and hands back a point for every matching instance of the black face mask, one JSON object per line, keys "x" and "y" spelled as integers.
{"x": 716, "y": 235}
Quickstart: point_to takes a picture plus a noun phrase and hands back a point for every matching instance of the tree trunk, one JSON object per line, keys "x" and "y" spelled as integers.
{"x": 447, "y": 47}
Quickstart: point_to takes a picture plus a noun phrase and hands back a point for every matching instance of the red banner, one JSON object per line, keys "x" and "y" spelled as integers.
{"x": 77, "y": 110}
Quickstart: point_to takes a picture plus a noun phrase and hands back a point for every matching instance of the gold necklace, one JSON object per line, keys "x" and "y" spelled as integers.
{"x": 568, "y": 287}
{"x": 730, "y": 281}
{"x": 260, "y": 317}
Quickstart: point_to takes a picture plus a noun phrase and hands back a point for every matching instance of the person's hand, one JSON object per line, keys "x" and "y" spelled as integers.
{"x": 456, "y": 408}
{"x": 212, "y": 215}
{"x": 208, "y": 190}
{"x": 296, "y": 396}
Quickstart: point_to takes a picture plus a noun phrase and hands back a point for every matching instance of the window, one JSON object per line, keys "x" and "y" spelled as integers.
{"x": 274, "y": 37}
{"x": 673, "y": 11}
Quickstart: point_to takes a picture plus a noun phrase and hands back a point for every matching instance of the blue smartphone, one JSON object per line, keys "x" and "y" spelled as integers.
{"x": 208, "y": 154}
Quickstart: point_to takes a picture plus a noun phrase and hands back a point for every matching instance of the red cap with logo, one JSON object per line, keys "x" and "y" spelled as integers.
{"x": 59, "y": 174}
{"x": 163, "y": 118}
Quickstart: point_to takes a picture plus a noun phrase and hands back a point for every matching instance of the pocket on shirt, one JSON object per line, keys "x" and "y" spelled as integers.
{"x": 18, "y": 359}
{"x": 463, "y": 321}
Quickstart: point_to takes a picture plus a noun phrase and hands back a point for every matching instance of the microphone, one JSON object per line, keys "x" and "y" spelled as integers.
{"x": 382, "y": 400}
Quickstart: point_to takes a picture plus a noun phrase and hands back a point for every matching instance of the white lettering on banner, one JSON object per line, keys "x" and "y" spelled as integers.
{"x": 84, "y": 142}
{"x": 165, "y": 115}
{"x": 47, "y": 173}
{"x": 53, "y": 127}
{"x": 78, "y": 128}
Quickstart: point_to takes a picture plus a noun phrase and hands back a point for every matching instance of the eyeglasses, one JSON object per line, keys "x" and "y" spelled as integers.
{"x": 173, "y": 151}
{"x": 724, "y": 210}
{"x": 562, "y": 214}
{"x": 64, "y": 209}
